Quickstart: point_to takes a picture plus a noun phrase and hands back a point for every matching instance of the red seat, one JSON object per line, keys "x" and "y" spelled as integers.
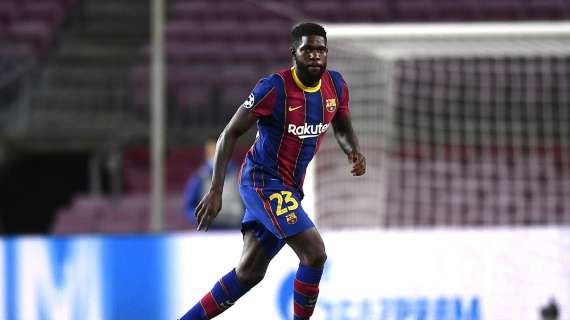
{"x": 416, "y": 10}
{"x": 190, "y": 10}
{"x": 204, "y": 74}
{"x": 366, "y": 10}
{"x": 52, "y": 13}
{"x": 183, "y": 53}
{"x": 255, "y": 52}
{"x": 501, "y": 10}
{"x": 452, "y": 10}
{"x": 245, "y": 74}
{"x": 547, "y": 9}
{"x": 325, "y": 10}
{"x": 37, "y": 33}
{"x": 184, "y": 31}
{"x": 9, "y": 11}
{"x": 195, "y": 103}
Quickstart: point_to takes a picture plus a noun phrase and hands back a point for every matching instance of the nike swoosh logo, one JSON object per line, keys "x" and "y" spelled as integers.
{"x": 291, "y": 108}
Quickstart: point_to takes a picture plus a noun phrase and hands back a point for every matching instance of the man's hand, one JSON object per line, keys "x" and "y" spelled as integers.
{"x": 358, "y": 162}
{"x": 208, "y": 209}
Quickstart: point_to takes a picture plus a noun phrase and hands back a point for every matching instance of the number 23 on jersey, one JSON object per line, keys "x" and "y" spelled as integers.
{"x": 285, "y": 202}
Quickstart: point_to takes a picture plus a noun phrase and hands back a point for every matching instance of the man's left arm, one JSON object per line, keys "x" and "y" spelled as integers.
{"x": 348, "y": 142}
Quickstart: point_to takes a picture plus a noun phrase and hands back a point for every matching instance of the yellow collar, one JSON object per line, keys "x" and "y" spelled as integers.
{"x": 301, "y": 85}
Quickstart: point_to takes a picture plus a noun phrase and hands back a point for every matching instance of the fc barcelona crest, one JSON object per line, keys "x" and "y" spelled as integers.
{"x": 330, "y": 105}
{"x": 291, "y": 218}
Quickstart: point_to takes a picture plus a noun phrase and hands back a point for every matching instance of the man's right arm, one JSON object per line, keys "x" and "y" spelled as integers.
{"x": 210, "y": 205}
{"x": 238, "y": 125}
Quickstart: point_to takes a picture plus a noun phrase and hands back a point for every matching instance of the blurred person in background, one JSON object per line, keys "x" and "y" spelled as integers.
{"x": 232, "y": 211}
{"x": 550, "y": 311}
{"x": 293, "y": 109}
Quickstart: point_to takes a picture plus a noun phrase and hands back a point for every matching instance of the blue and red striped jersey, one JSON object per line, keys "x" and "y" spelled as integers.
{"x": 292, "y": 121}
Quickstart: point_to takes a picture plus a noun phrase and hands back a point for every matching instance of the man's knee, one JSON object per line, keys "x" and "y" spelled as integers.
{"x": 254, "y": 261}
{"x": 309, "y": 247}
{"x": 314, "y": 257}
{"x": 249, "y": 277}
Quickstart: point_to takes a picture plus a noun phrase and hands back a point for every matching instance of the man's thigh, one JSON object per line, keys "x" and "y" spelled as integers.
{"x": 279, "y": 210}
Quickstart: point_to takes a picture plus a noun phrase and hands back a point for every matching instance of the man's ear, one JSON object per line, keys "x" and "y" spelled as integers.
{"x": 292, "y": 50}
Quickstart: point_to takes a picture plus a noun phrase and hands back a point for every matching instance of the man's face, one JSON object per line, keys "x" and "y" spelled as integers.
{"x": 311, "y": 56}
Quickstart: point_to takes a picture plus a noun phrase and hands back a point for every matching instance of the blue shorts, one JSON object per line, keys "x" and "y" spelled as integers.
{"x": 274, "y": 209}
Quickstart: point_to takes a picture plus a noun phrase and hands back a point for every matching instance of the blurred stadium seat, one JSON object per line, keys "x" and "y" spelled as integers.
{"x": 465, "y": 140}
{"x": 129, "y": 214}
{"x": 221, "y": 34}
{"x": 32, "y": 22}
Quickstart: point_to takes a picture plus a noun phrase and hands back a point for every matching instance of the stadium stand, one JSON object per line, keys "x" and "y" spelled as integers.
{"x": 205, "y": 39}
{"x": 33, "y": 23}
{"x": 81, "y": 87}
{"x": 101, "y": 213}
{"x": 100, "y": 67}
{"x": 128, "y": 214}
{"x": 223, "y": 47}
{"x": 27, "y": 31}
{"x": 179, "y": 165}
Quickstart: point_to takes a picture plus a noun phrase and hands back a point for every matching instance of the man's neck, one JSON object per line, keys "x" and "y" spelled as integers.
{"x": 302, "y": 85}
{"x": 305, "y": 78}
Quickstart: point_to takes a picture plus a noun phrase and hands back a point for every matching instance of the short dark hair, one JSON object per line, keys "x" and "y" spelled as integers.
{"x": 306, "y": 29}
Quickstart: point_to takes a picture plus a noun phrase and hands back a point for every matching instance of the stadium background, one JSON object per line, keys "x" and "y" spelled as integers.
{"x": 463, "y": 214}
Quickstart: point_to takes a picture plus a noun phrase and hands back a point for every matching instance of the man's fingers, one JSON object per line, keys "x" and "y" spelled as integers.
{"x": 201, "y": 215}
{"x": 199, "y": 220}
{"x": 358, "y": 172}
{"x": 200, "y": 225}
{"x": 205, "y": 223}
{"x": 356, "y": 158}
{"x": 358, "y": 166}
{"x": 198, "y": 209}
{"x": 204, "y": 218}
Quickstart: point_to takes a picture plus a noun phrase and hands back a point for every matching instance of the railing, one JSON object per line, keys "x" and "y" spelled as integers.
{"x": 16, "y": 65}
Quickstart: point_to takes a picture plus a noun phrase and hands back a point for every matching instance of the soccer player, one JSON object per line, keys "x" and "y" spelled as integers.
{"x": 293, "y": 109}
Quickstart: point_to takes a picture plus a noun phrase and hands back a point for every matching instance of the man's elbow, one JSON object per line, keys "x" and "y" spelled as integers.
{"x": 234, "y": 131}
{"x": 340, "y": 135}
{"x": 229, "y": 133}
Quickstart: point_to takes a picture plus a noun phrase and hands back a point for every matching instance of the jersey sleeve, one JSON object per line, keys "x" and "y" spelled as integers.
{"x": 343, "y": 109}
{"x": 262, "y": 98}
{"x": 342, "y": 93}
